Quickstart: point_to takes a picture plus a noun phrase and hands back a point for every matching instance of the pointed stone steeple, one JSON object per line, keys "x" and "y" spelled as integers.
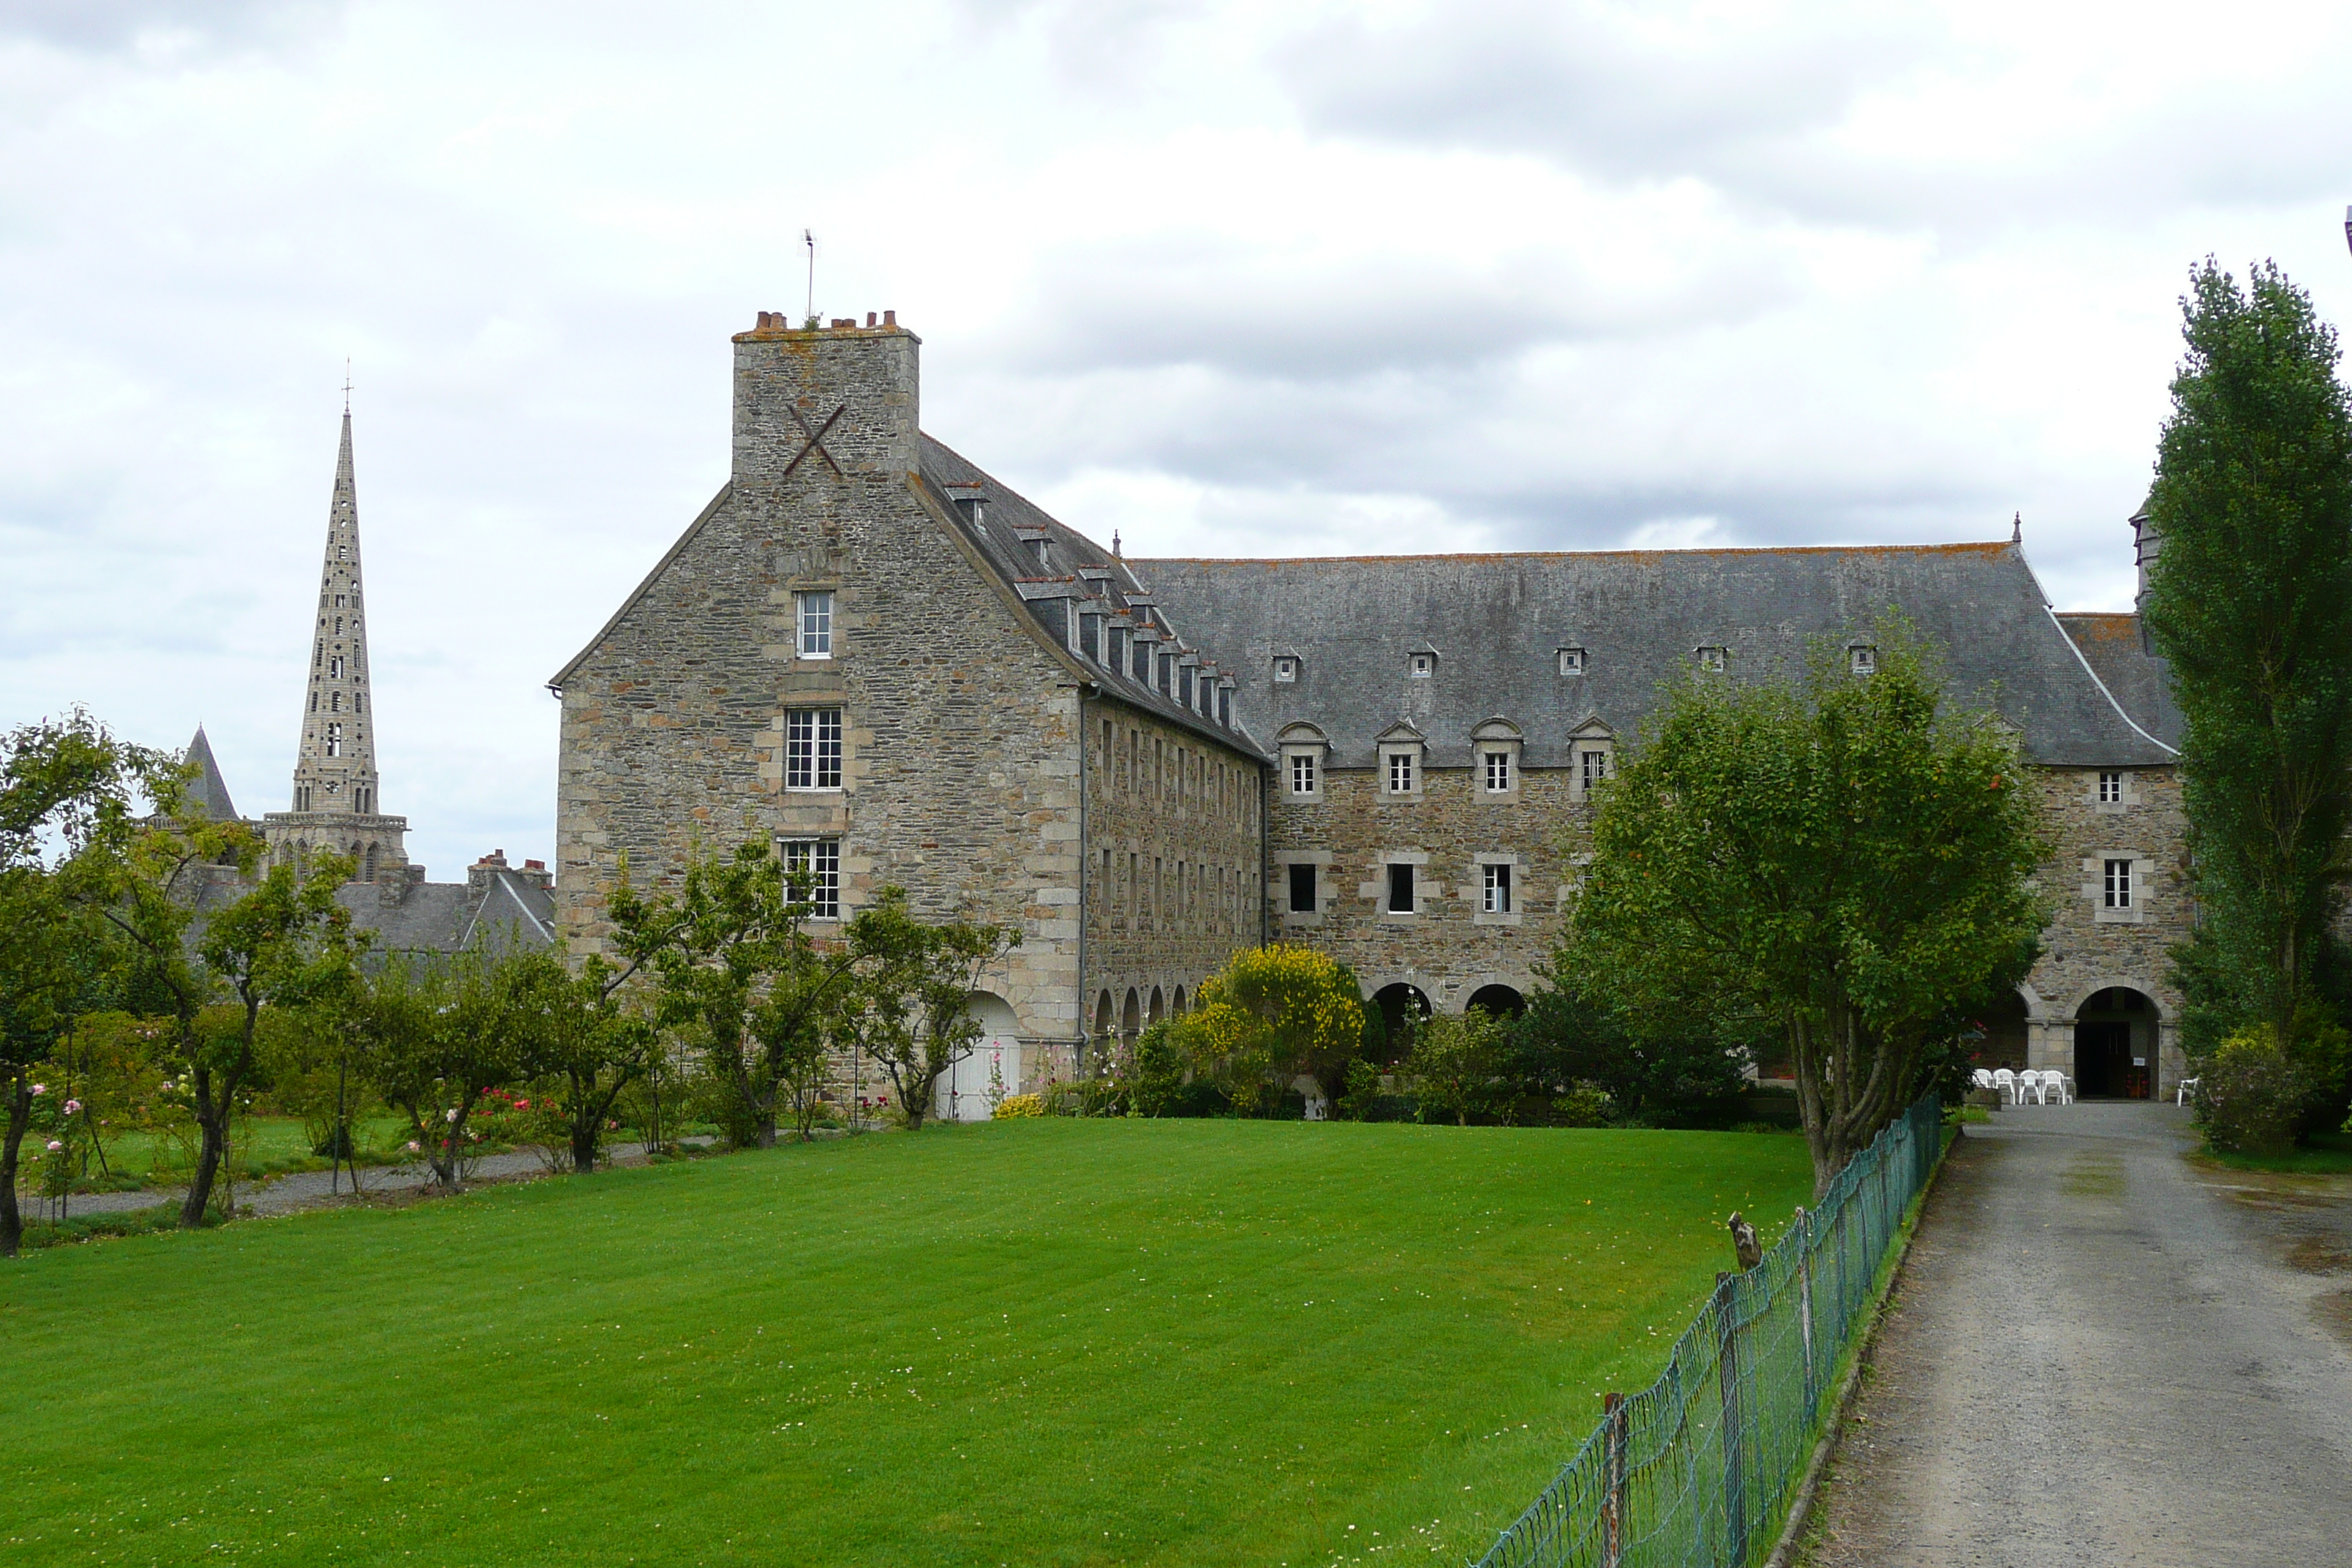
{"x": 208, "y": 792}
{"x": 335, "y": 804}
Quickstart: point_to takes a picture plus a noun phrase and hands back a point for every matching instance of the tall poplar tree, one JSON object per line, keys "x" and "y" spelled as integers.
{"x": 2249, "y": 598}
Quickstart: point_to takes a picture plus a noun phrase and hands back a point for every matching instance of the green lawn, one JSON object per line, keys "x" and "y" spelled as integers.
{"x": 272, "y": 1144}
{"x": 1046, "y": 1341}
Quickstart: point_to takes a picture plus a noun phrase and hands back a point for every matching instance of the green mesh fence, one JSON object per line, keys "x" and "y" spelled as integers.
{"x": 1697, "y": 1471}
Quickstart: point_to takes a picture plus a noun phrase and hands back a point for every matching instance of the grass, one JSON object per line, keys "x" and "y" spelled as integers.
{"x": 2324, "y": 1155}
{"x": 264, "y": 1146}
{"x": 1041, "y": 1343}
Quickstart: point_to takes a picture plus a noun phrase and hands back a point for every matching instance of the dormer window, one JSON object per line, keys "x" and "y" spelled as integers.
{"x": 1862, "y": 659}
{"x": 1401, "y": 773}
{"x": 1571, "y": 661}
{"x": 1285, "y": 670}
{"x": 1424, "y": 664}
{"x": 1714, "y": 659}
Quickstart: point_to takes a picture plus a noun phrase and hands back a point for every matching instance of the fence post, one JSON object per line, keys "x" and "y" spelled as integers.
{"x": 1613, "y": 1497}
{"x": 1727, "y": 1378}
{"x": 1805, "y": 1306}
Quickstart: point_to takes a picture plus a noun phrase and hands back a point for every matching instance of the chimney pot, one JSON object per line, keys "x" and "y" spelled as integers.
{"x": 889, "y": 318}
{"x": 869, "y": 318}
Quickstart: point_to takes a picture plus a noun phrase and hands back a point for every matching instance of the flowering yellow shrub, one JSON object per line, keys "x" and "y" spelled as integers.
{"x": 1013, "y": 1105}
{"x": 1272, "y": 1012}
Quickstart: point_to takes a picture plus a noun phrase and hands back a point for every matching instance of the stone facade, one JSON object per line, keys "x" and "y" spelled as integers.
{"x": 1145, "y": 766}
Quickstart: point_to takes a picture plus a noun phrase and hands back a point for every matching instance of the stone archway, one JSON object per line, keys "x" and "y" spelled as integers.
{"x": 1158, "y": 1007}
{"x": 1176, "y": 1007}
{"x": 2117, "y": 1032}
{"x": 1498, "y": 1000}
{"x": 1401, "y": 1005}
{"x": 1130, "y": 1022}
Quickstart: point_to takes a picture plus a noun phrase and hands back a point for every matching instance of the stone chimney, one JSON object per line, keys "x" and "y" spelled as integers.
{"x": 478, "y": 876}
{"x": 823, "y": 406}
{"x": 2146, "y": 542}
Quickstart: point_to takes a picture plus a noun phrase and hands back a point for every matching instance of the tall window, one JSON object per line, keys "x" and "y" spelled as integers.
{"x": 1498, "y": 772}
{"x": 815, "y": 864}
{"x": 334, "y": 702}
{"x": 1400, "y": 889}
{"x": 2111, "y": 789}
{"x": 1302, "y": 890}
{"x": 334, "y": 739}
{"x": 813, "y": 748}
{"x": 1499, "y": 888}
{"x": 2119, "y": 884}
{"x": 335, "y": 668}
{"x": 1302, "y": 772}
{"x": 1594, "y": 766}
{"x": 814, "y": 608}
{"x": 1400, "y": 772}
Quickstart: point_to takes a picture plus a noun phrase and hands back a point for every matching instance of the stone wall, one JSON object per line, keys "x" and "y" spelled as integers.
{"x": 960, "y": 754}
{"x": 1449, "y": 948}
{"x": 1174, "y": 837}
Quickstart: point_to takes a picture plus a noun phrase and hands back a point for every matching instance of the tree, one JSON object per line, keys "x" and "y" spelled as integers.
{"x": 912, "y": 1009}
{"x": 576, "y": 1028}
{"x": 1681, "y": 1071}
{"x": 65, "y": 785}
{"x": 1843, "y": 854}
{"x": 1456, "y": 1063}
{"x": 437, "y": 1033}
{"x": 2250, "y": 601}
{"x": 1270, "y": 1014}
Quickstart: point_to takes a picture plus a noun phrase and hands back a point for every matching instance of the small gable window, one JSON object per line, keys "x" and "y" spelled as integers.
{"x": 1285, "y": 670}
{"x": 1571, "y": 661}
{"x": 1499, "y": 772}
{"x": 1401, "y": 773}
{"x": 1862, "y": 659}
{"x": 1424, "y": 664}
{"x": 1302, "y": 774}
{"x": 813, "y": 611}
{"x": 1714, "y": 659}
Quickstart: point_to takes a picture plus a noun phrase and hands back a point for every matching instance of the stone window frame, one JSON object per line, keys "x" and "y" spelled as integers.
{"x": 1711, "y": 658}
{"x": 1862, "y": 657}
{"x": 805, "y": 597}
{"x": 1401, "y": 741}
{"x": 1583, "y": 739}
{"x": 2127, "y": 786}
{"x": 2142, "y": 890}
{"x": 1476, "y": 890}
{"x": 1496, "y": 737}
{"x": 1303, "y": 743}
{"x": 1327, "y": 890}
{"x": 1381, "y": 889}
{"x": 1285, "y": 670}
{"x": 1574, "y": 661}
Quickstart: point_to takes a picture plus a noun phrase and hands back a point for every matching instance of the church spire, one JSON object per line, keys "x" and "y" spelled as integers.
{"x": 335, "y": 805}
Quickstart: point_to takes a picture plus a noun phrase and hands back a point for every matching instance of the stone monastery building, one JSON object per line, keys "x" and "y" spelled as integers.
{"x": 871, "y": 649}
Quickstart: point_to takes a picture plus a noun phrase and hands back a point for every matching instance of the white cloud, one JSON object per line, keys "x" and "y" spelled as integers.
{"x": 1305, "y": 278}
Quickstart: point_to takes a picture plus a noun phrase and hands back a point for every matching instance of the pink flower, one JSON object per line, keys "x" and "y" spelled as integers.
{"x": 40, "y": 1088}
{"x": 73, "y": 1108}
{"x": 54, "y": 1145}
{"x": 412, "y": 1145}
{"x": 523, "y": 1105}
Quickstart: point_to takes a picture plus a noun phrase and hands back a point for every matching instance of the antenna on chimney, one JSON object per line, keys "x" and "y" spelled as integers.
{"x": 2017, "y": 529}
{"x": 808, "y": 237}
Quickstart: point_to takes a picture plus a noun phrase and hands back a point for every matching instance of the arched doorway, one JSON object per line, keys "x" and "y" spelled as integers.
{"x": 1176, "y": 1007}
{"x": 970, "y": 1088}
{"x": 1130, "y": 1023}
{"x": 1499, "y": 1001}
{"x": 2115, "y": 1045}
{"x": 1158, "y": 1008}
{"x": 1401, "y": 1006}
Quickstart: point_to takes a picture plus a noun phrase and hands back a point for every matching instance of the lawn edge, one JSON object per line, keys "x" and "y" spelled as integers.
{"x": 1801, "y": 1507}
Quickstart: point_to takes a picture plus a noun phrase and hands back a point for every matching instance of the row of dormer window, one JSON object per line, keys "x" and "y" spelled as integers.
{"x": 1421, "y": 662}
{"x": 1403, "y": 768}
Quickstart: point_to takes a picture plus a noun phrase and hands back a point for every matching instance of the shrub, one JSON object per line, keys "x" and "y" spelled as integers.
{"x": 2252, "y": 1093}
{"x": 1157, "y": 1082}
{"x": 1014, "y": 1106}
{"x": 1586, "y": 1105}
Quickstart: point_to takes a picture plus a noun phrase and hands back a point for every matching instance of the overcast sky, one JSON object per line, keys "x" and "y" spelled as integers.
{"x": 1244, "y": 279}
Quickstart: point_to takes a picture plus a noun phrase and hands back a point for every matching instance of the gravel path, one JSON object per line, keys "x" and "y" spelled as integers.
{"x": 311, "y": 1189}
{"x": 2100, "y": 1354}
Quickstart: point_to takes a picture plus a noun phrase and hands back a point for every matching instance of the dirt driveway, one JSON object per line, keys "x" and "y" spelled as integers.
{"x": 2101, "y": 1354}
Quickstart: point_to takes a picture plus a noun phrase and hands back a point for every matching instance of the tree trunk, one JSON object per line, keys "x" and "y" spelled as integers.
{"x": 20, "y": 1117}
{"x": 213, "y": 1121}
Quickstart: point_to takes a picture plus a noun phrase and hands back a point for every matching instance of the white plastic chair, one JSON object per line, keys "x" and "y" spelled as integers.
{"x": 2006, "y": 1081}
{"x": 1981, "y": 1078}
{"x": 2180, "y": 1094}
{"x": 2059, "y": 1084}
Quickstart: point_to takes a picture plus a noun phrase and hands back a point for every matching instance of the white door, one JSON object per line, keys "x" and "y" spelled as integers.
{"x": 970, "y": 1088}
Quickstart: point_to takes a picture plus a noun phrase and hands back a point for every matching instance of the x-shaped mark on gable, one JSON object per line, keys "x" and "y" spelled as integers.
{"x": 816, "y": 443}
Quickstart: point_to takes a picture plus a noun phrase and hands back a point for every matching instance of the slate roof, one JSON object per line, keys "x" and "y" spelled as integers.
{"x": 442, "y": 917}
{"x": 1497, "y": 622}
{"x": 1077, "y": 576}
{"x": 208, "y": 792}
{"x": 2137, "y": 678}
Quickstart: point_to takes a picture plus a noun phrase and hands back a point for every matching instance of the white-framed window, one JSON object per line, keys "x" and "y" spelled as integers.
{"x": 1862, "y": 659}
{"x": 1424, "y": 664}
{"x": 813, "y": 613}
{"x": 1304, "y": 773}
{"x": 334, "y": 739}
{"x": 2118, "y": 884}
{"x": 1497, "y": 880}
{"x": 815, "y": 865}
{"x": 1496, "y": 768}
{"x": 1401, "y": 773}
{"x": 813, "y": 748}
{"x": 1713, "y": 658}
{"x": 1571, "y": 661}
{"x": 1401, "y": 888}
{"x": 1591, "y": 766}
{"x": 1285, "y": 670}
{"x": 2111, "y": 788}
